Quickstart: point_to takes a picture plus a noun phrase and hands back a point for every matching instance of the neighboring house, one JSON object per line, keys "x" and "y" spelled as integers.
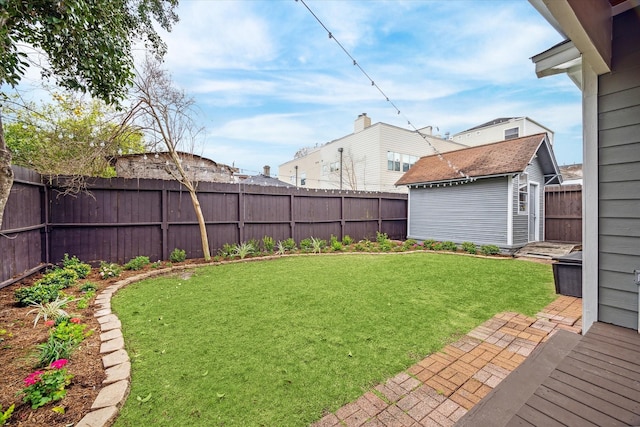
{"x": 501, "y": 129}
{"x": 499, "y": 200}
{"x": 571, "y": 174}
{"x": 264, "y": 179}
{"x": 602, "y": 55}
{"x": 372, "y": 158}
{"x": 161, "y": 166}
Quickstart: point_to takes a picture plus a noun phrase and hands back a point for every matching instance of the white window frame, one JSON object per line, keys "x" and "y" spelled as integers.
{"x": 509, "y": 134}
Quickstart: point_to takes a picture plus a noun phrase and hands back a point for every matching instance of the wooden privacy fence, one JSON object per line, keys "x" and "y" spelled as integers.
{"x": 124, "y": 218}
{"x": 563, "y": 213}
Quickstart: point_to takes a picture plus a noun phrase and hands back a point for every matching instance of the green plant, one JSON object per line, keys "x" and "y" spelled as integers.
{"x": 317, "y": 245}
{"x": 428, "y": 244}
{"x": 76, "y": 265}
{"x": 46, "y": 386}
{"x": 449, "y": 246}
{"x": 84, "y": 301}
{"x": 227, "y": 250}
{"x": 178, "y": 255}
{"x": 137, "y": 263}
{"x": 54, "y": 349}
{"x": 88, "y": 286}
{"x": 4, "y": 416}
{"x": 489, "y": 249}
{"x": 409, "y": 244}
{"x": 469, "y": 247}
{"x": 268, "y": 244}
{"x": 289, "y": 244}
{"x": 70, "y": 330}
{"x": 243, "y": 249}
{"x": 36, "y": 294}
{"x": 49, "y": 310}
{"x": 437, "y": 246}
{"x": 108, "y": 270}
{"x": 306, "y": 244}
{"x": 60, "y": 277}
{"x": 280, "y": 248}
{"x": 381, "y": 237}
{"x": 347, "y": 240}
{"x": 336, "y": 246}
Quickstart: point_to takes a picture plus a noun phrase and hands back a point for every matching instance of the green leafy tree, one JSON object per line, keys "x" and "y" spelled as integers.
{"x": 69, "y": 136}
{"x": 86, "y": 46}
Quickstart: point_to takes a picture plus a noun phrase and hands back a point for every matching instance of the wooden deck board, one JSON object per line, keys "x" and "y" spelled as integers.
{"x": 608, "y": 364}
{"x": 556, "y": 412}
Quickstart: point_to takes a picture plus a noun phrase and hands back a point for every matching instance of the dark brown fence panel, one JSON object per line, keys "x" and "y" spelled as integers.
{"x": 563, "y": 213}
{"x": 123, "y": 218}
{"x": 22, "y": 235}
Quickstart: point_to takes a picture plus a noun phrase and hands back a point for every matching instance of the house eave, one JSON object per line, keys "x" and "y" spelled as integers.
{"x": 561, "y": 58}
{"x": 456, "y": 181}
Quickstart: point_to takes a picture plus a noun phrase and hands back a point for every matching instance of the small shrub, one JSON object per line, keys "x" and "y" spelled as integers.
{"x": 317, "y": 245}
{"x": 88, "y": 286}
{"x": 381, "y": 237}
{"x": 49, "y": 310}
{"x": 255, "y": 244}
{"x": 178, "y": 255}
{"x": 268, "y": 244}
{"x": 60, "y": 277}
{"x": 84, "y": 301}
{"x": 386, "y": 245}
{"x": 469, "y": 247}
{"x": 36, "y": 294}
{"x": 108, "y": 270}
{"x": 489, "y": 249}
{"x": 76, "y": 265}
{"x": 437, "y": 246}
{"x": 280, "y": 248}
{"x": 449, "y": 246}
{"x": 70, "y": 330}
{"x": 428, "y": 244}
{"x": 137, "y": 263}
{"x": 289, "y": 244}
{"x": 42, "y": 387}
{"x": 306, "y": 245}
{"x": 409, "y": 244}
{"x": 336, "y": 246}
{"x": 226, "y": 251}
{"x": 347, "y": 240}
{"x": 243, "y": 249}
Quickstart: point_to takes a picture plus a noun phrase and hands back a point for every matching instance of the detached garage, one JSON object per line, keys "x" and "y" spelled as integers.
{"x": 489, "y": 194}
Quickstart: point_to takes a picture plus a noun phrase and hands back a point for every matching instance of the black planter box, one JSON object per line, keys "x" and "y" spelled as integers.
{"x": 567, "y": 274}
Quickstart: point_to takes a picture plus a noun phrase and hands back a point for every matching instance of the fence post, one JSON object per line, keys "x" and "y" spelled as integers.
{"x": 164, "y": 204}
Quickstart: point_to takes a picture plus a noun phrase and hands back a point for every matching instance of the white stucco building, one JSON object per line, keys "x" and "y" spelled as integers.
{"x": 372, "y": 158}
{"x": 501, "y": 129}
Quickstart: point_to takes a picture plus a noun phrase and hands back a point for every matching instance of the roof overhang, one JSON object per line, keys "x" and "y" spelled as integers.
{"x": 588, "y": 27}
{"x": 561, "y": 58}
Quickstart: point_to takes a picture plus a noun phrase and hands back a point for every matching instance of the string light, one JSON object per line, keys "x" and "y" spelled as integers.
{"x": 355, "y": 63}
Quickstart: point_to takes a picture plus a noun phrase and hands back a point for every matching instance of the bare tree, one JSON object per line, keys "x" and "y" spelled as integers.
{"x": 165, "y": 114}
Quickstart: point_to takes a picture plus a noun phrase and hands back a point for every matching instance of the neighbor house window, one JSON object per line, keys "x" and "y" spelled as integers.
{"x": 511, "y": 133}
{"x": 325, "y": 169}
{"x": 523, "y": 194}
{"x": 303, "y": 178}
{"x": 335, "y": 166}
{"x": 408, "y": 161}
{"x": 393, "y": 161}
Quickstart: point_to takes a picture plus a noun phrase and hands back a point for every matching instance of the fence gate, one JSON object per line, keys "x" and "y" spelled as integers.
{"x": 563, "y": 213}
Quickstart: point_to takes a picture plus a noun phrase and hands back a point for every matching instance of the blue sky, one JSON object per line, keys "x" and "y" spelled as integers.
{"x": 268, "y": 80}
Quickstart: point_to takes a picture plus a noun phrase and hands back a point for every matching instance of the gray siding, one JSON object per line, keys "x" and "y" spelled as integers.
{"x": 619, "y": 171}
{"x": 475, "y": 212}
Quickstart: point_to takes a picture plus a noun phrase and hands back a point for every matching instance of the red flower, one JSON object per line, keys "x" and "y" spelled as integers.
{"x": 49, "y": 323}
{"x": 33, "y": 378}
{"x": 58, "y": 364}
{"x": 75, "y": 320}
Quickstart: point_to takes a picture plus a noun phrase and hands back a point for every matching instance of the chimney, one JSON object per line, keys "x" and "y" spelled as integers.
{"x": 361, "y": 123}
{"x": 267, "y": 171}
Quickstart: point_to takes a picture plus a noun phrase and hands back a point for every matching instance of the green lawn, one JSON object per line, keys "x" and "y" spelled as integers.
{"x": 280, "y": 342}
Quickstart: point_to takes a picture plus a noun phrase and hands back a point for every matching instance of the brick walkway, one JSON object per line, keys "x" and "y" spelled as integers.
{"x": 440, "y": 389}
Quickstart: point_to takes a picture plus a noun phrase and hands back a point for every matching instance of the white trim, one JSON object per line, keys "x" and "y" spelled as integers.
{"x": 409, "y": 212}
{"x": 510, "y": 210}
{"x": 590, "y": 251}
{"x": 536, "y": 225}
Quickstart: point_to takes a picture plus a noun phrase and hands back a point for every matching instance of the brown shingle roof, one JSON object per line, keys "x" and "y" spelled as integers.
{"x": 498, "y": 158}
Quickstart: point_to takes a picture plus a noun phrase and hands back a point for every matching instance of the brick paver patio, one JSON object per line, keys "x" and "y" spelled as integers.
{"x": 440, "y": 389}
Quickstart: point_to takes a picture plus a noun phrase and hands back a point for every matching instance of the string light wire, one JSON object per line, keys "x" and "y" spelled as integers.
{"x": 386, "y": 97}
